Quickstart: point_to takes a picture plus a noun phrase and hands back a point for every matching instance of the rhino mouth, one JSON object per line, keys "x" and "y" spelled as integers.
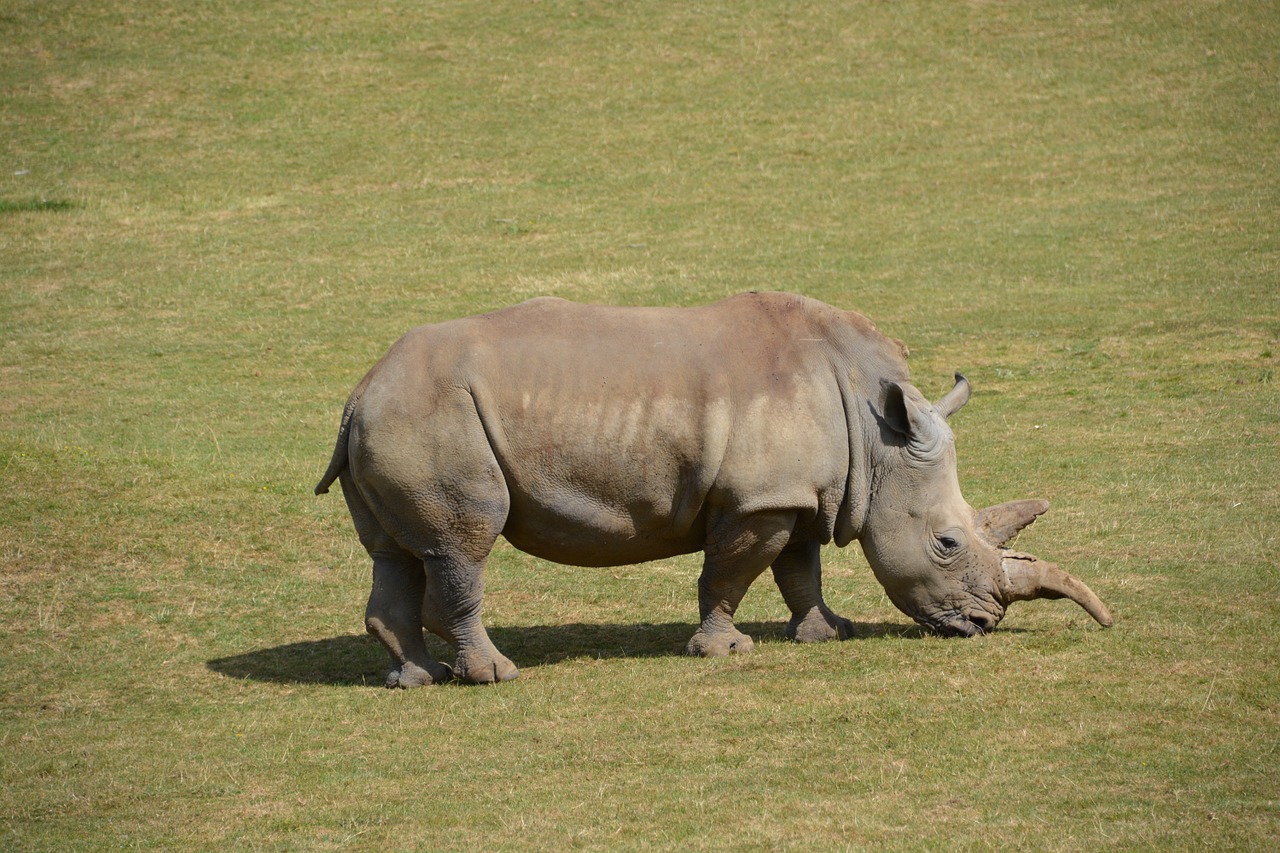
{"x": 959, "y": 624}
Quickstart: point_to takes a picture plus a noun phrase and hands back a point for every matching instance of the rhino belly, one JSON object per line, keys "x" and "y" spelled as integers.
{"x": 585, "y": 535}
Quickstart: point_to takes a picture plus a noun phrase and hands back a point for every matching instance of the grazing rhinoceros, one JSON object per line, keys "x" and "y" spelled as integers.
{"x": 753, "y": 430}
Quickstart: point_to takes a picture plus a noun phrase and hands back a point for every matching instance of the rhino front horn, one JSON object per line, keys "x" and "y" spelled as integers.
{"x": 1030, "y": 578}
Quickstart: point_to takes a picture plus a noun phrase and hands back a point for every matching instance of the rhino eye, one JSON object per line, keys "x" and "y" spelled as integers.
{"x": 948, "y": 543}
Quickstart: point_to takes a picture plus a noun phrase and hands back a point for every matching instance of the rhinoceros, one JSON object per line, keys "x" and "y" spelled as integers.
{"x": 753, "y": 430}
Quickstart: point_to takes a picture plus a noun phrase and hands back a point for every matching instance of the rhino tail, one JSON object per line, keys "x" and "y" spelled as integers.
{"x": 339, "y": 459}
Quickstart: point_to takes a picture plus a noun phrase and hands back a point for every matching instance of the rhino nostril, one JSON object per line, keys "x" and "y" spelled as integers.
{"x": 982, "y": 622}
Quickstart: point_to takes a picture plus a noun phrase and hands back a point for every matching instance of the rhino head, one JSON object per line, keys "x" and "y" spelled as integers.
{"x": 941, "y": 562}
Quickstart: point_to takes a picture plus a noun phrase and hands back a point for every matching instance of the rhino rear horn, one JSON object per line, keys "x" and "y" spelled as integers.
{"x": 1029, "y": 578}
{"x": 999, "y": 524}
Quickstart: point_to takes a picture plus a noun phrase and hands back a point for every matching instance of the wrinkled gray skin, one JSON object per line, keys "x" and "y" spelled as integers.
{"x": 753, "y": 430}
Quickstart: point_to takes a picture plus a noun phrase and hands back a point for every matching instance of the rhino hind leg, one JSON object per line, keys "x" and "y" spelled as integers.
{"x": 736, "y": 554}
{"x": 393, "y": 617}
{"x": 452, "y": 536}
{"x": 430, "y": 541}
{"x": 393, "y": 614}
{"x": 451, "y": 608}
{"x": 798, "y": 573}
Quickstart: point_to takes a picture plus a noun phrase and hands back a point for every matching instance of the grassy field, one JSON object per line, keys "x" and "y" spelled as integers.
{"x": 215, "y": 217}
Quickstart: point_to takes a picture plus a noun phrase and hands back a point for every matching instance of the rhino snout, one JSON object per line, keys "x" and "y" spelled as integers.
{"x": 966, "y": 622}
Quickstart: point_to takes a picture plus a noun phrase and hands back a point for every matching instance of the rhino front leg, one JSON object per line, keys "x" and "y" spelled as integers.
{"x": 736, "y": 553}
{"x": 798, "y": 573}
{"x": 393, "y": 616}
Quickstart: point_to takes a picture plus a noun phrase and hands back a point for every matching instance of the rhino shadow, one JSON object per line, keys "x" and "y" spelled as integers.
{"x": 358, "y": 659}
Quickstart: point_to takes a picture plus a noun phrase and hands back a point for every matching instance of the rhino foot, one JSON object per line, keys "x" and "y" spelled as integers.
{"x": 481, "y": 666}
{"x": 410, "y": 674}
{"x": 818, "y": 625}
{"x": 719, "y": 644}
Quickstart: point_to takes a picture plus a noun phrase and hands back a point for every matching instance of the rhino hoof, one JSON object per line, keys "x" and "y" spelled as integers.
{"x": 411, "y": 675}
{"x": 719, "y": 645}
{"x": 819, "y": 626}
{"x": 481, "y": 668}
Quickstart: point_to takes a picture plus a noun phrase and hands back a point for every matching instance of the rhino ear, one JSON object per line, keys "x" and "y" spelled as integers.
{"x": 996, "y": 525}
{"x": 905, "y": 412}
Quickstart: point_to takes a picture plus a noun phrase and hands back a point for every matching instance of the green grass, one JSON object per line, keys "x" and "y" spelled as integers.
{"x": 215, "y": 217}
